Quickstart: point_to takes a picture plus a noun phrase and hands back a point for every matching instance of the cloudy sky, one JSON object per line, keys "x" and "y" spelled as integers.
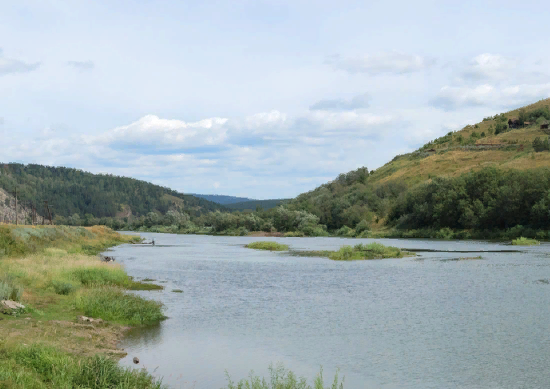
{"x": 263, "y": 99}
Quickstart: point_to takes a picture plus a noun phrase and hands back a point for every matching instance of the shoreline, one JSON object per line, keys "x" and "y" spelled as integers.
{"x": 76, "y": 306}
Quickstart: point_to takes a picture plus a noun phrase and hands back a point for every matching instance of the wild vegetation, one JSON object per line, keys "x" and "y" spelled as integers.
{"x": 358, "y": 252}
{"x": 281, "y": 378}
{"x": 55, "y": 274}
{"x": 525, "y": 242}
{"x": 38, "y": 366}
{"x": 270, "y": 246}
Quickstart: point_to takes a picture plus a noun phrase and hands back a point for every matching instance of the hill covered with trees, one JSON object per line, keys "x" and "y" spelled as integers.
{"x": 71, "y": 192}
{"x": 253, "y": 205}
{"x": 222, "y": 199}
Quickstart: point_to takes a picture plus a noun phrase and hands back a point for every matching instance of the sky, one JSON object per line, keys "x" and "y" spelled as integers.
{"x": 260, "y": 99}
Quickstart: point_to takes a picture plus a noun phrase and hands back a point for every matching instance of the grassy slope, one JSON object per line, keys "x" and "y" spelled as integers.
{"x": 454, "y": 162}
{"x": 61, "y": 279}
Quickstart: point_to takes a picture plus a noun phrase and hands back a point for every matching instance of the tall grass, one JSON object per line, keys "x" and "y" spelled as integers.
{"x": 21, "y": 240}
{"x": 270, "y": 246}
{"x": 9, "y": 290}
{"x": 525, "y": 242}
{"x": 114, "y": 304}
{"x": 281, "y": 378}
{"x": 366, "y": 251}
{"x": 42, "y": 367}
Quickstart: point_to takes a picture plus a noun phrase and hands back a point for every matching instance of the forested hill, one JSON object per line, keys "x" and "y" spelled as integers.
{"x": 222, "y": 199}
{"x": 71, "y": 191}
{"x": 515, "y": 140}
{"x": 252, "y": 205}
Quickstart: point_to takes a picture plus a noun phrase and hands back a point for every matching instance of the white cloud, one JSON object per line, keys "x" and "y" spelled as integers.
{"x": 12, "y": 66}
{"x": 82, "y": 65}
{"x": 356, "y": 102}
{"x": 451, "y": 98}
{"x": 489, "y": 67}
{"x": 389, "y": 62}
{"x": 151, "y": 131}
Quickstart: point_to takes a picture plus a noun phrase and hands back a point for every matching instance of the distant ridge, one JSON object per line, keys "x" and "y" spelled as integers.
{"x": 222, "y": 199}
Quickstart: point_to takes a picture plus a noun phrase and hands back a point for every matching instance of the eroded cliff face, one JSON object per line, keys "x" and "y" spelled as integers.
{"x": 7, "y": 211}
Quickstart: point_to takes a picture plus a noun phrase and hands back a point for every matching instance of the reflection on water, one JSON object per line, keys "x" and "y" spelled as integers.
{"x": 439, "y": 320}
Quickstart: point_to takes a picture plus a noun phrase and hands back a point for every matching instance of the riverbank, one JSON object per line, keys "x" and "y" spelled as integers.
{"x": 76, "y": 309}
{"x": 382, "y": 232}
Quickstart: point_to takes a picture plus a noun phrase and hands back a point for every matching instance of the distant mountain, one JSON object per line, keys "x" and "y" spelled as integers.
{"x": 69, "y": 191}
{"x": 253, "y": 204}
{"x": 221, "y": 199}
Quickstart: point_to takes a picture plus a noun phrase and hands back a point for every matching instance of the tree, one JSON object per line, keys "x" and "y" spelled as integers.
{"x": 500, "y": 127}
{"x": 538, "y": 145}
{"x": 522, "y": 116}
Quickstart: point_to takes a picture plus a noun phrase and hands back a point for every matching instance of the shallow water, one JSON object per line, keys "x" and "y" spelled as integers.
{"x": 427, "y": 322}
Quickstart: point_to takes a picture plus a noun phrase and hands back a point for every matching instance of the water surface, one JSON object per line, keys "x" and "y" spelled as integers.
{"x": 428, "y": 322}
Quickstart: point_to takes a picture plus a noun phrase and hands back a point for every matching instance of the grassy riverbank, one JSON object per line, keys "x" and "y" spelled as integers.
{"x": 53, "y": 272}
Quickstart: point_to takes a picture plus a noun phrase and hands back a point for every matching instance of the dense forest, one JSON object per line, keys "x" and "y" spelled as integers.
{"x": 222, "y": 199}
{"x": 253, "y": 205}
{"x": 75, "y": 192}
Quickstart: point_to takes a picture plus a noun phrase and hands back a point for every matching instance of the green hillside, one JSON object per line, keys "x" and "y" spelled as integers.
{"x": 71, "y": 191}
{"x": 405, "y": 192}
{"x": 222, "y": 199}
{"x": 252, "y": 205}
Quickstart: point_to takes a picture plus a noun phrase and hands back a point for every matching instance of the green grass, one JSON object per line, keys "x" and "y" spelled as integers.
{"x": 525, "y": 242}
{"x": 366, "y": 251}
{"x": 9, "y": 290}
{"x": 281, "y": 378}
{"x": 114, "y": 304}
{"x": 271, "y": 246}
{"x": 177, "y": 290}
{"x": 358, "y": 252}
{"x": 41, "y": 367}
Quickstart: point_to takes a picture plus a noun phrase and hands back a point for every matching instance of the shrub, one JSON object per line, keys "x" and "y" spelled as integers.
{"x": 366, "y": 251}
{"x": 294, "y": 234}
{"x": 270, "y": 246}
{"x": 362, "y": 226}
{"x": 345, "y": 231}
{"x": 64, "y": 288}
{"x": 444, "y": 233}
{"x": 525, "y": 242}
{"x": 114, "y": 304}
{"x": 9, "y": 291}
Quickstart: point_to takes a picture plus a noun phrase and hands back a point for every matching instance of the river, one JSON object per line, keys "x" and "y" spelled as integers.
{"x": 427, "y": 322}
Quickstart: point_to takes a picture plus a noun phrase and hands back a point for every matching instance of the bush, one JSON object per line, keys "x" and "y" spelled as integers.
{"x": 444, "y": 233}
{"x": 345, "y": 231}
{"x": 366, "y": 251}
{"x": 63, "y": 288}
{"x": 270, "y": 246}
{"x": 362, "y": 226}
{"x": 10, "y": 291}
{"x": 294, "y": 234}
{"x": 114, "y": 304}
{"x": 525, "y": 242}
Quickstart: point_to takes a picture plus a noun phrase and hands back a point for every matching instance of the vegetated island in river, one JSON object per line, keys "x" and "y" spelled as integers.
{"x": 63, "y": 311}
{"x": 345, "y": 253}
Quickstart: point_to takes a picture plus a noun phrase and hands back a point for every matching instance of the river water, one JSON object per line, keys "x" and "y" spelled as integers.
{"x": 425, "y": 322}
